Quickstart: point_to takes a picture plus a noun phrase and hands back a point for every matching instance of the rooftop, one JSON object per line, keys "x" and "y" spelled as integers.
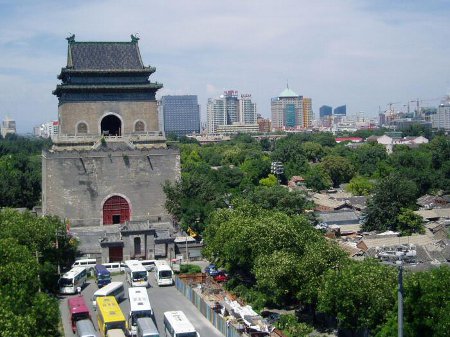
{"x": 288, "y": 93}
{"x": 103, "y": 55}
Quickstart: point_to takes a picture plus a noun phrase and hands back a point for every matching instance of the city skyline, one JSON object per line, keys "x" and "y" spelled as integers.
{"x": 364, "y": 53}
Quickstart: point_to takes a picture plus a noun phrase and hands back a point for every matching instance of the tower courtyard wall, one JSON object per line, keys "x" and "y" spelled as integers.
{"x": 76, "y": 184}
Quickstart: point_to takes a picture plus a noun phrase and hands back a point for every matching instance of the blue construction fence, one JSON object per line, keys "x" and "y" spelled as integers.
{"x": 219, "y": 322}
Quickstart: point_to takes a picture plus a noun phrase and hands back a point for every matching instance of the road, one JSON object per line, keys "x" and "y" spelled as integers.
{"x": 161, "y": 298}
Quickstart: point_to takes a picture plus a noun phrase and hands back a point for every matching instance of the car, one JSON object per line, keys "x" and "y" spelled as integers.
{"x": 221, "y": 276}
{"x": 211, "y": 270}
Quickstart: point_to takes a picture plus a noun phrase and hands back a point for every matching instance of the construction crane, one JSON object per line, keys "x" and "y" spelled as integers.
{"x": 419, "y": 101}
{"x": 390, "y": 106}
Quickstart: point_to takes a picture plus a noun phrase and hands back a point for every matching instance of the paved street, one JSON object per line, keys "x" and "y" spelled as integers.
{"x": 162, "y": 299}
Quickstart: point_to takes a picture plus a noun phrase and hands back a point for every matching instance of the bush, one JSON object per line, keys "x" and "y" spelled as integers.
{"x": 291, "y": 327}
{"x": 190, "y": 269}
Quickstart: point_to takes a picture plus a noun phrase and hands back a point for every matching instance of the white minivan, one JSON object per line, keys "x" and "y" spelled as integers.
{"x": 89, "y": 264}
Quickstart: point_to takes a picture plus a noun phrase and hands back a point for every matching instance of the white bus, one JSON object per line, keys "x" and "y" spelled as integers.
{"x": 136, "y": 273}
{"x": 176, "y": 324}
{"x": 163, "y": 273}
{"x": 139, "y": 307}
{"x": 115, "y": 289}
{"x": 70, "y": 281}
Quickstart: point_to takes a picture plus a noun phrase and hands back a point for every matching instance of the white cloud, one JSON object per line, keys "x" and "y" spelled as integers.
{"x": 336, "y": 52}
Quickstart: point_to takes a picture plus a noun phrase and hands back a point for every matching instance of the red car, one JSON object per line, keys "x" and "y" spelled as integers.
{"x": 221, "y": 277}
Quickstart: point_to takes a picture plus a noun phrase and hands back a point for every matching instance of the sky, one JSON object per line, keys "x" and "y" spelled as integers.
{"x": 362, "y": 53}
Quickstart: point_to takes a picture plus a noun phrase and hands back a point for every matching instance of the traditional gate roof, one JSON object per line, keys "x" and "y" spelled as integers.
{"x": 104, "y": 55}
{"x": 105, "y": 71}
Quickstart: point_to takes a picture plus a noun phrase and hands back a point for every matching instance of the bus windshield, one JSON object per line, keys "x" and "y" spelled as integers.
{"x": 103, "y": 277}
{"x": 115, "y": 325}
{"x": 65, "y": 282}
{"x": 139, "y": 314}
{"x": 139, "y": 275}
{"x": 165, "y": 274}
{"x": 80, "y": 316}
{"x": 186, "y": 334}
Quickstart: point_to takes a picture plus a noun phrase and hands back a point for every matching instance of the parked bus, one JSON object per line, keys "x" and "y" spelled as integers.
{"x": 146, "y": 328}
{"x": 78, "y": 310}
{"x": 139, "y": 307}
{"x": 115, "y": 289}
{"x": 136, "y": 273}
{"x": 111, "y": 321}
{"x": 176, "y": 324}
{"x": 102, "y": 275}
{"x": 73, "y": 279}
{"x": 163, "y": 273}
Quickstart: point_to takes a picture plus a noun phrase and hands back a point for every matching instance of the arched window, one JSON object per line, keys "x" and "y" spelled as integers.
{"x": 139, "y": 126}
{"x": 111, "y": 125}
{"x": 82, "y": 128}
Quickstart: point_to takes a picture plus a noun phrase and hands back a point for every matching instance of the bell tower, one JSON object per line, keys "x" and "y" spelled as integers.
{"x": 109, "y": 160}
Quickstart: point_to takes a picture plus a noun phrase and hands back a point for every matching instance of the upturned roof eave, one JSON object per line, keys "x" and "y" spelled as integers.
{"x": 67, "y": 70}
{"x": 130, "y": 87}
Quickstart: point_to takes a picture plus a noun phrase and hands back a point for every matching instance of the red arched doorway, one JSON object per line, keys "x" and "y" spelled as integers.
{"x": 116, "y": 210}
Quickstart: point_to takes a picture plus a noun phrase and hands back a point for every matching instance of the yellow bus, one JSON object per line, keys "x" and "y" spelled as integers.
{"x": 111, "y": 321}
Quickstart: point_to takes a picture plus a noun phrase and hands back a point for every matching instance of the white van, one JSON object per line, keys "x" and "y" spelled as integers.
{"x": 115, "y": 289}
{"x": 115, "y": 267}
{"x": 89, "y": 264}
{"x": 85, "y": 328}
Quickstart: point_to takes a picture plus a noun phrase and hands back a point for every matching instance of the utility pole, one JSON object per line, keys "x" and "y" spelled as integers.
{"x": 38, "y": 276}
{"x": 400, "y": 294}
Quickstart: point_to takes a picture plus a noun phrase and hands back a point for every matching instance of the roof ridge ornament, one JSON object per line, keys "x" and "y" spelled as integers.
{"x": 135, "y": 37}
{"x": 71, "y": 38}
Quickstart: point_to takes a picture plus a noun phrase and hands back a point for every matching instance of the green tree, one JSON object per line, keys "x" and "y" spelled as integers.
{"x": 279, "y": 198}
{"x": 360, "y": 186}
{"x": 390, "y": 196}
{"x": 409, "y": 222}
{"x": 359, "y": 294}
{"x": 338, "y": 168}
{"x": 313, "y": 151}
{"x": 318, "y": 179}
{"x": 367, "y": 157}
{"x": 270, "y": 181}
{"x": 426, "y": 305}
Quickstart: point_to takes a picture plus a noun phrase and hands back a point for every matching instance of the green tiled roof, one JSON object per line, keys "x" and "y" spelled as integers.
{"x": 288, "y": 93}
{"x": 104, "y": 55}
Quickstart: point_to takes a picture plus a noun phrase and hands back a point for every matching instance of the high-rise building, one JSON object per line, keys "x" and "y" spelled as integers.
{"x": 181, "y": 114}
{"x": 215, "y": 113}
{"x": 325, "y": 111}
{"x": 441, "y": 120}
{"x": 291, "y": 111}
{"x": 340, "y": 110}
{"x": 247, "y": 110}
{"x": 228, "y": 109}
{"x": 8, "y": 127}
{"x": 307, "y": 112}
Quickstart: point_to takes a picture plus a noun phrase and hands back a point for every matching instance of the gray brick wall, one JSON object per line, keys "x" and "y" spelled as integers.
{"x": 75, "y": 184}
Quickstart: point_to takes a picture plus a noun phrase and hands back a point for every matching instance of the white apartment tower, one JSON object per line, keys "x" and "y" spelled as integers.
{"x": 228, "y": 109}
{"x": 247, "y": 110}
{"x": 441, "y": 120}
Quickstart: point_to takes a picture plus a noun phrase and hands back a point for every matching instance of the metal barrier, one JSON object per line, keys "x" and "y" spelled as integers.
{"x": 219, "y": 322}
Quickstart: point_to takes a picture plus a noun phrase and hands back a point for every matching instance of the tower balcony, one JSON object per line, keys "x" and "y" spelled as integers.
{"x": 136, "y": 140}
